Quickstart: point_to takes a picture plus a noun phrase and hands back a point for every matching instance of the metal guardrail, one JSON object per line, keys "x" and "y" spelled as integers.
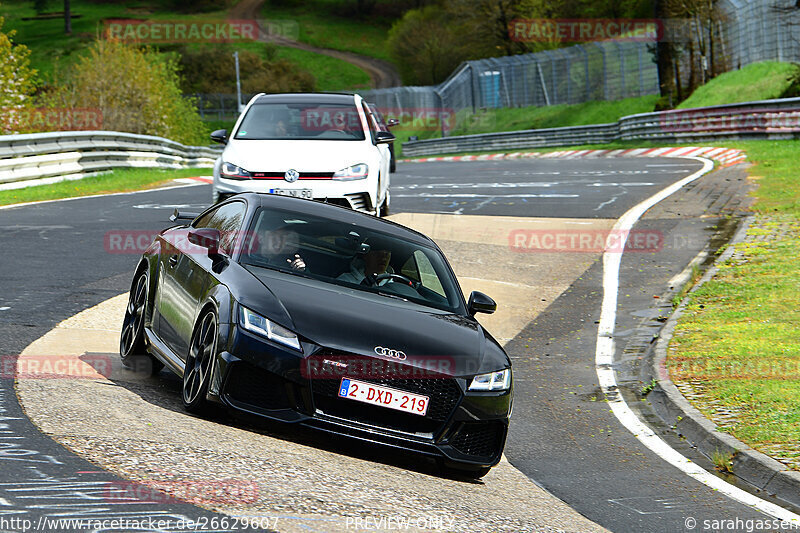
{"x": 74, "y": 154}
{"x": 768, "y": 119}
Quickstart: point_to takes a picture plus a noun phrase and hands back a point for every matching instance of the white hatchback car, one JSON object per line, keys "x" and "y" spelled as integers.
{"x": 311, "y": 145}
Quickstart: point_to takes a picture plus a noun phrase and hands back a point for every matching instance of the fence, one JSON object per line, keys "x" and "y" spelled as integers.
{"x": 608, "y": 70}
{"x": 222, "y": 107}
{"x": 771, "y": 119}
{"x": 65, "y": 155}
{"x": 760, "y": 30}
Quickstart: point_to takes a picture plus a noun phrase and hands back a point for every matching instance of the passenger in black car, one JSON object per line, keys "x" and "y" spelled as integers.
{"x": 280, "y": 248}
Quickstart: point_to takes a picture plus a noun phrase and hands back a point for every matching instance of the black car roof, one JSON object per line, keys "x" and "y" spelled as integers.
{"x": 337, "y": 213}
{"x": 302, "y": 98}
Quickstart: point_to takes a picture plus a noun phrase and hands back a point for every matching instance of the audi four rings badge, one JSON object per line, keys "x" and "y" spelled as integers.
{"x": 291, "y": 175}
{"x": 386, "y": 352}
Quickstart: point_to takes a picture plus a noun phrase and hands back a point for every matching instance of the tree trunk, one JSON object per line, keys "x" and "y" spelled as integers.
{"x": 67, "y": 18}
{"x": 664, "y": 54}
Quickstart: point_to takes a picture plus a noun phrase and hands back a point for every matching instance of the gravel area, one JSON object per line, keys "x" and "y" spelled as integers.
{"x": 136, "y": 427}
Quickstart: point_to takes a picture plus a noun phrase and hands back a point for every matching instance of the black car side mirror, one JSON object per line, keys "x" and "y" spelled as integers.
{"x": 206, "y": 238}
{"x": 480, "y": 303}
{"x": 220, "y": 136}
{"x": 384, "y": 137}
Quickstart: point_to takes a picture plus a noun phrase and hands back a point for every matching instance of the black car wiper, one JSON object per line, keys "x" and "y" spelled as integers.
{"x": 390, "y": 295}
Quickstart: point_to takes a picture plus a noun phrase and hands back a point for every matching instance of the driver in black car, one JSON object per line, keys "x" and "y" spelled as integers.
{"x": 374, "y": 262}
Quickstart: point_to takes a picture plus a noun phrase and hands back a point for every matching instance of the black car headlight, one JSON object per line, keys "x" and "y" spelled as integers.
{"x": 493, "y": 381}
{"x": 229, "y": 171}
{"x": 255, "y": 323}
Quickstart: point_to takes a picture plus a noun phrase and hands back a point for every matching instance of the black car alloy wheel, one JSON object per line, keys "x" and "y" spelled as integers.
{"x": 132, "y": 343}
{"x": 197, "y": 372}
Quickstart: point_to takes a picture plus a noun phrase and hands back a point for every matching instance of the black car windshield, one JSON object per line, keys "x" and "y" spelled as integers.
{"x": 350, "y": 256}
{"x": 301, "y": 121}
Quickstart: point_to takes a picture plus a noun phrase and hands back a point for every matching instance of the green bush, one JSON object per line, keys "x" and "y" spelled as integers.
{"x": 210, "y": 69}
{"x": 135, "y": 89}
{"x": 426, "y": 46}
{"x": 16, "y": 82}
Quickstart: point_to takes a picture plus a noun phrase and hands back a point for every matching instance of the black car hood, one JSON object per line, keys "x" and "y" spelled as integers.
{"x": 357, "y": 322}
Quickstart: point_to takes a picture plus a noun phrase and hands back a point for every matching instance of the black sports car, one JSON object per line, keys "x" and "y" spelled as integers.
{"x": 308, "y": 313}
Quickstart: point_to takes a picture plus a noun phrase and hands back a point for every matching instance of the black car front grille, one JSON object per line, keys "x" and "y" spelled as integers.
{"x": 478, "y": 439}
{"x": 443, "y": 392}
{"x": 252, "y": 386}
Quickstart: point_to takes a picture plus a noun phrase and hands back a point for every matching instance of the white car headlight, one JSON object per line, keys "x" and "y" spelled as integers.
{"x": 260, "y": 325}
{"x": 493, "y": 381}
{"x": 355, "y": 172}
{"x": 230, "y": 171}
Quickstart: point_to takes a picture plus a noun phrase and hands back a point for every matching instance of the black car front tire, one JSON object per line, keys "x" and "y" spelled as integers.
{"x": 132, "y": 344}
{"x": 199, "y": 363}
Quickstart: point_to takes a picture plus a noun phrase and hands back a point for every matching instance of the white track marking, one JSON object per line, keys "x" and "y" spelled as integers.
{"x": 604, "y": 360}
{"x": 467, "y": 195}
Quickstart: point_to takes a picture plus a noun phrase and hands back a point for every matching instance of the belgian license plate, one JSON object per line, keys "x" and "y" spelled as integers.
{"x": 297, "y": 193}
{"x": 383, "y": 396}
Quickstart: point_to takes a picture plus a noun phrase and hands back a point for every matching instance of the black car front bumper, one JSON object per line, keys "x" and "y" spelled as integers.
{"x": 260, "y": 378}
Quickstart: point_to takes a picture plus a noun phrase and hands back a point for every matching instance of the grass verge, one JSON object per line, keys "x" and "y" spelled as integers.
{"x": 738, "y": 342}
{"x": 332, "y": 74}
{"x": 555, "y": 116}
{"x": 327, "y": 24}
{"x": 119, "y": 180}
{"x": 758, "y": 81}
{"x": 524, "y": 118}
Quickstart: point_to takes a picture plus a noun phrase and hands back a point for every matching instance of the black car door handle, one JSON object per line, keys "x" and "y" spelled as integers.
{"x": 173, "y": 260}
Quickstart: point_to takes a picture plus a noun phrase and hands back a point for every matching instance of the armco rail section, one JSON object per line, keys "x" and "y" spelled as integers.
{"x": 67, "y": 155}
{"x": 769, "y": 119}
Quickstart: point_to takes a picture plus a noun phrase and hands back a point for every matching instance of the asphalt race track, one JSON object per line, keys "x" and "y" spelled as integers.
{"x": 57, "y": 263}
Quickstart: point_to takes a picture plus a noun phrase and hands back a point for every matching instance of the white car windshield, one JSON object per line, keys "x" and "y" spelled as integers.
{"x": 301, "y": 121}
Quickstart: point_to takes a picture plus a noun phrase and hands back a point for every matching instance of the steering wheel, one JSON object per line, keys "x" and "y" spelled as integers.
{"x": 374, "y": 280}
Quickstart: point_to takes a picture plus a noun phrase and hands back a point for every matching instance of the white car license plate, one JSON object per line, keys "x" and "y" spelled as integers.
{"x": 383, "y": 396}
{"x": 297, "y": 193}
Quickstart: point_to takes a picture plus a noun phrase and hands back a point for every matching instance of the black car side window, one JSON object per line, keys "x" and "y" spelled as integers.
{"x": 228, "y": 220}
